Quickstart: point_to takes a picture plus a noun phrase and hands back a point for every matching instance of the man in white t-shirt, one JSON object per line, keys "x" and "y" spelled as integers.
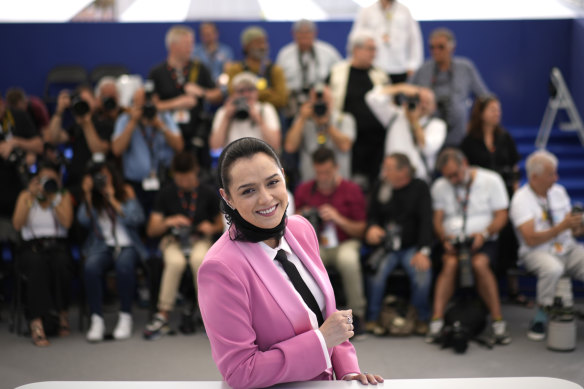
{"x": 469, "y": 202}
{"x": 243, "y": 115}
{"x": 545, "y": 224}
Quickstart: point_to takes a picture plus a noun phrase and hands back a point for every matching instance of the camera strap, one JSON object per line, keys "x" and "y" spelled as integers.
{"x": 149, "y": 139}
{"x": 304, "y": 65}
{"x": 463, "y": 203}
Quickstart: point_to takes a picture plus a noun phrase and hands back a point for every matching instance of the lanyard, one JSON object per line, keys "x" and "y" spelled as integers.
{"x": 188, "y": 202}
{"x": 463, "y": 203}
{"x": 150, "y": 144}
{"x": 304, "y": 65}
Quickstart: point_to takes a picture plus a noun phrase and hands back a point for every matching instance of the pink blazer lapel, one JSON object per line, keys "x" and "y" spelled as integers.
{"x": 319, "y": 275}
{"x": 271, "y": 277}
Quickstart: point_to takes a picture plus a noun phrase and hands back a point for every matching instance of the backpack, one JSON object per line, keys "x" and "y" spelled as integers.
{"x": 464, "y": 320}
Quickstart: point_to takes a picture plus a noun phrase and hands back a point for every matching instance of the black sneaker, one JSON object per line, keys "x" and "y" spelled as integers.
{"x": 187, "y": 324}
{"x": 536, "y": 331}
{"x": 157, "y": 328}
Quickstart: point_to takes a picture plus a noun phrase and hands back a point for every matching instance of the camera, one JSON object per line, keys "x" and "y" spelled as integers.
{"x": 411, "y": 101}
{"x": 149, "y": 110}
{"x": 241, "y": 108}
{"x": 314, "y": 218}
{"x": 49, "y": 185}
{"x": 99, "y": 181}
{"x": 183, "y": 235}
{"x": 391, "y": 242}
{"x": 463, "y": 245}
{"x": 109, "y": 104}
{"x": 319, "y": 107}
{"x": 578, "y": 209}
{"x": 79, "y": 107}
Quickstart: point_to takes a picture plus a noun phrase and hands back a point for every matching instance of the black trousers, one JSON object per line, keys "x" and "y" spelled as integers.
{"x": 48, "y": 268}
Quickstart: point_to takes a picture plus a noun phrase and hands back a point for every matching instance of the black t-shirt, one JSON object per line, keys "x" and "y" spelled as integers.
{"x": 370, "y": 142}
{"x": 104, "y": 126}
{"x": 410, "y": 207}
{"x": 15, "y": 123}
{"x": 200, "y": 205}
{"x": 167, "y": 86}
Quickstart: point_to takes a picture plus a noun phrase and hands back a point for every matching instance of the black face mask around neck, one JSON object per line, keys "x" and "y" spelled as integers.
{"x": 246, "y": 231}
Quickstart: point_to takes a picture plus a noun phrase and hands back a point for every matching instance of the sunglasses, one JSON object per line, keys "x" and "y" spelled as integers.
{"x": 437, "y": 47}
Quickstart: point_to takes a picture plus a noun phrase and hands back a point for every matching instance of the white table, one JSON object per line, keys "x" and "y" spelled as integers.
{"x": 443, "y": 383}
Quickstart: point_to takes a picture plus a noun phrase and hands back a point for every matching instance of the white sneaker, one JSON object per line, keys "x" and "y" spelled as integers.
{"x": 96, "y": 330}
{"x": 123, "y": 329}
{"x": 434, "y": 330}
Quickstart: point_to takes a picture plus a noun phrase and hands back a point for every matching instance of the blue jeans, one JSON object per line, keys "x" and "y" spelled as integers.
{"x": 97, "y": 263}
{"x": 420, "y": 283}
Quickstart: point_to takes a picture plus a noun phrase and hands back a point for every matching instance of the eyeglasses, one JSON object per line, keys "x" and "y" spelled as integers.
{"x": 437, "y": 47}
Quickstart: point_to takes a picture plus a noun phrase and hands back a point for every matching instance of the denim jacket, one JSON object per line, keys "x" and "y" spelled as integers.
{"x": 133, "y": 217}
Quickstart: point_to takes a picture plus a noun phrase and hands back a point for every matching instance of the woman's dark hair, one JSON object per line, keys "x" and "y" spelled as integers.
{"x": 49, "y": 165}
{"x": 241, "y": 148}
{"x": 99, "y": 202}
{"x": 475, "y": 124}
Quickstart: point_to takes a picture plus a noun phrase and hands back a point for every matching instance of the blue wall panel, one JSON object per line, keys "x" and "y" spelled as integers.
{"x": 514, "y": 57}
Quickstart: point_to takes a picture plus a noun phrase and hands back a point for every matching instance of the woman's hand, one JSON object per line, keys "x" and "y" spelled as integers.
{"x": 337, "y": 328}
{"x": 365, "y": 378}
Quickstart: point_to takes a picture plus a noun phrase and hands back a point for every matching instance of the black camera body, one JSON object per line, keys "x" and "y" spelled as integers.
{"x": 314, "y": 218}
{"x": 109, "y": 104}
{"x": 184, "y": 237}
{"x": 320, "y": 108}
{"x": 391, "y": 243}
{"x": 241, "y": 108}
{"x": 463, "y": 245}
{"x": 411, "y": 101}
{"x": 443, "y": 108}
{"x": 79, "y": 107}
{"x": 578, "y": 209}
{"x": 149, "y": 110}
{"x": 99, "y": 181}
{"x": 49, "y": 185}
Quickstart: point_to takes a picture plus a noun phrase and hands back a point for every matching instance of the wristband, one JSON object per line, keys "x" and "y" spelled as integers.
{"x": 425, "y": 251}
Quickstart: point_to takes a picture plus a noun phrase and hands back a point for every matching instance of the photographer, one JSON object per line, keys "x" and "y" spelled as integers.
{"x": 146, "y": 140}
{"x": 400, "y": 226}
{"x": 546, "y": 224}
{"x": 182, "y": 87}
{"x": 407, "y": 112}
{"x": 316, "y": 125}
{"x": 452, "y": 79}
{"x": 243, "y": 115}
{"x": 19, "y": 144}
{"x": 470, "y": 208}
{"x": 91, "y": 131}
{"x": 112, "y": 216}
{"x": 336, "y": 208}
{"x": 43, "y": 214}
{"x": 187, "y": 214}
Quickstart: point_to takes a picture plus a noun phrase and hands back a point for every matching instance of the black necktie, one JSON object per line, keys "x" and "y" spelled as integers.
{"x": 299, "y": 284}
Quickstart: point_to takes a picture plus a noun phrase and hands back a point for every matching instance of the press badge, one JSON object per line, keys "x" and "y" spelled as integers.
{"x": 181, "y": 116}
{"x": 455, "y": 224}
{"x": 150, "y": 184}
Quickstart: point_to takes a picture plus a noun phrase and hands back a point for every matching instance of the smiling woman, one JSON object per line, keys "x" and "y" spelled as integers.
{"x": 264, "y": 294}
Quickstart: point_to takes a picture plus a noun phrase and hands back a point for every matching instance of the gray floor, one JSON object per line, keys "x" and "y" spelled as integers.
{"x": 188, "y": 358}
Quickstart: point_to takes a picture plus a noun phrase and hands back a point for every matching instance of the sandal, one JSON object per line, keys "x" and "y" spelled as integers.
{"x": 38, "y": 334}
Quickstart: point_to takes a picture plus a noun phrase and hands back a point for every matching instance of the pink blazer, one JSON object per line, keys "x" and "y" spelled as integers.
{"x": 260, "y": 332}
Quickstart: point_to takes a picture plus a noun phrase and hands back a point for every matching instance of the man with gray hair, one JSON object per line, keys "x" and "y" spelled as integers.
{"x": 546, "y": 224}
{"x": 181, "y": 87}
{"x": 452, "y": 79}
{"x": 470, "y": 208}
{"x": 271, "y": 85}
{"x": 306, "y": 62}
{"x": 349, "y": 82}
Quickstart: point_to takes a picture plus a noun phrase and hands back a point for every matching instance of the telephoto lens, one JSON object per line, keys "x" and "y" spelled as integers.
{"x": 79, "y": 106}
{"x": 49, "y": 185}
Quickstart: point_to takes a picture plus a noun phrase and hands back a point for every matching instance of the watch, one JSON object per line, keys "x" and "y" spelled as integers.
{"x": 425, "y": 250}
